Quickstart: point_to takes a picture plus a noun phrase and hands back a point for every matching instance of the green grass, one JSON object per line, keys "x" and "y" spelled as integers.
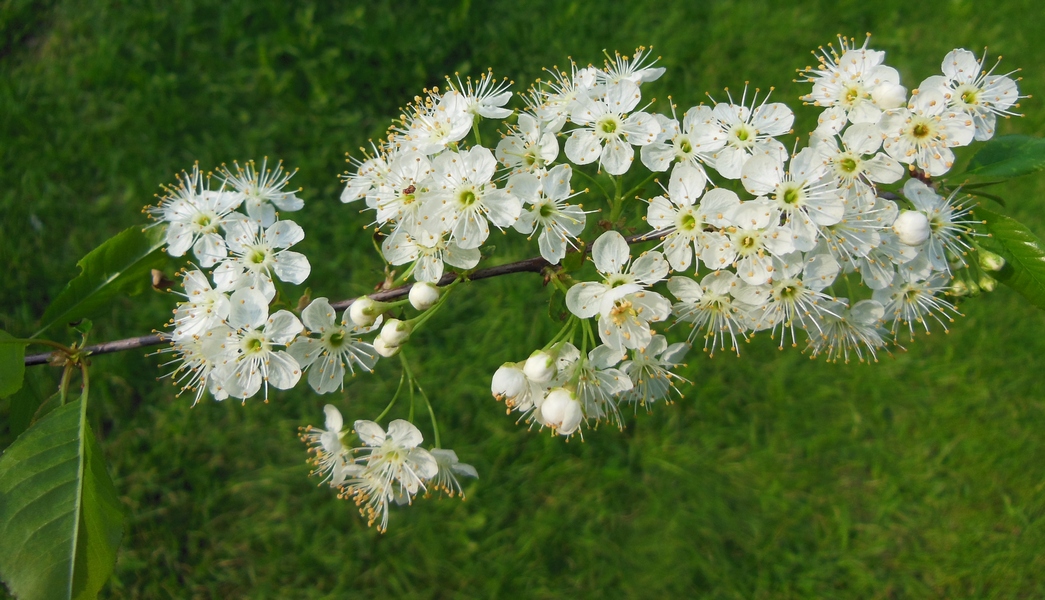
{"x": 775, "y": 477}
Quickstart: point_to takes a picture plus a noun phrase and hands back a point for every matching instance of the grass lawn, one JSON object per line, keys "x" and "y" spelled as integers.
{"x": 921, "y": 476}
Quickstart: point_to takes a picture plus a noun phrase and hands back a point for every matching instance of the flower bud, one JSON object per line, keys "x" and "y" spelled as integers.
{"x": 395, "y": 332}
{"x": 912, "y": 227}
{"x": 889, "y": 95}
{"x": 974, "y": 289}
{"x": 508, "y": 382}
{"x": 540, "y": 367}
{"x": 423, "y": 295}
{"x": 561, "y": 411}
{"x": 365, "y": 311}
{"x": 384, "y": 349}
{"x": 988, "y": 283}
{"x": 959, "y": 288}
{"x": 990, "y": 261}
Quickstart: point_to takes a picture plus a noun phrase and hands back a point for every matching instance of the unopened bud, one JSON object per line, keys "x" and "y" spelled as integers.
{"x": 959, "y": 288}
{"x": 889, "y": 95}
{"x": 395, "y": 332}
{"x": 974, "y": 289}
{"x": 912, "y": 227}
{"x": 561, "y": 411}
{"x": 540, "y": 367}
{"x": 423, "y": 295}
{"x": 508, "y": 382}
{"x": 384, "y": 349}
{"x": 365, "y": 311}
{"x": 988, "y": 283}
{"x": 990, "y": 261}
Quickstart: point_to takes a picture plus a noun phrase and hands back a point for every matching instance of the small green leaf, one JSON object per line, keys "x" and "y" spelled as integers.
{"x": 1024, "y": 254}
{"x": 1008, "y": 156}
{"x": 12, "y": 365}
{"x": 121, "y": 265}
{"x": 60, "y": 519}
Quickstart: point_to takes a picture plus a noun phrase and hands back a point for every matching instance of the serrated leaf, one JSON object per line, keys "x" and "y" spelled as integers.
{"x": 12, "y": 365}
{"x": 60, "y": 519}
{"x": 1024, "y": 254}
{"x": 121, "y": 265}
{"x": 1008, "y": 156}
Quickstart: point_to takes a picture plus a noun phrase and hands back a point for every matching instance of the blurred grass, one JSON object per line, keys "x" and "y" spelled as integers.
{"x": 922, "y": 476}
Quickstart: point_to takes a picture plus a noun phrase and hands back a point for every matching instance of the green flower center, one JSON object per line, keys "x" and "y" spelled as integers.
{"x": 847, "y": 164}
{"x": 257, "y": 257}
{"x": 970, "y": 97}
{"x": 790, "y": 195}
{"x": 748, "y": 241}
{"x": 743, "y": 134}
{"x": 608, "y": 125}
{"x": 467, "y": 198}
{"x": 920, "y": 130}
{"x": 546, "y": 210}
{"x": 616, "y": 280}
{"x": 337, "y": 339}
{"x": 530, "y": 158}
{"x": 687, "y": 222}
{"x": 686, "y": 147}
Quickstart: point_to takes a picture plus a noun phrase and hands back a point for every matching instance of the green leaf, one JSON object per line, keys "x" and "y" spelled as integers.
{"x": 1024, "y": 254}
{"x": 121, "y": 265}
{"x": 12, "y": 365}
{"x": 60, "y": 519}
{"x": 1008, "y": 156}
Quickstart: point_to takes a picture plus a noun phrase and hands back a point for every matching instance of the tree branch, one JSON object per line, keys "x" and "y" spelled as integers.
{"x": 530, "y": 265}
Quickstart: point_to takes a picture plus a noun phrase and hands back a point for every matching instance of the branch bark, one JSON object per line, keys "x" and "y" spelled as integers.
{"x": 530, "y": 265}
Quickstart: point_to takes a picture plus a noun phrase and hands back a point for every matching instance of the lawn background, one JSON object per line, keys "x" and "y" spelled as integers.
{"x": 922, "y": 476}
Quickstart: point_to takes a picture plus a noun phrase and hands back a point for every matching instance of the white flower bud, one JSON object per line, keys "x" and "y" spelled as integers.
{"x": 395, "y": 332}
{"x": 384, "y": 349}
{"x": 423, "y": 295}
{"x": 990, "y": 261}
{"x": 889, "y": 95}
{"x": 540, "y": 367}
{"x": 364, "y": 312}
{"x": 561, "y": 411}
{"x": 912, "y": 227}
{"x": 988, "y": 283}
{"x": 508, "y": 382}
{"x": 959, "y": 288}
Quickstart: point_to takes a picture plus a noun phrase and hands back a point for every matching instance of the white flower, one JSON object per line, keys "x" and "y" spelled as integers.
{"x": 710, "y": 309}
{"x": 485, "y": 96}
{"x": 607, "y": 131}
{"x": 204, "y": 308}
{"x": 925, "y": 131}
{"x": 428, "y": 253}
{"x": 196, "y": 358}
{"x": 650, "y": 371}
{"x": 803, "y": 194}
{"x": 635, "y": 69}
{"x": 947, "y": 223}
{"x": 195, "y": 214}
{"x": 859, "y": 232}
{"x": 600, "y": 384}
{"x": 370, "y": 174}
{"x": 540, "y": 367}
{"x": 258, "y": 255}
{"x": 978, "y": 93}
{"x": 389, "y": 465}
{"x": 262, "y": 190}
{"x": 564, "y": 94}
{"x": 331, "y": 455}
{"x": 855, "y": 86}
{"x": 855, "y": 174}
{"x": 557, "y": 221}
{"x": 912, "y": 227}
{"x": 449, "y": 468}
{"x": 793, "y": 298}
{"x": 678, "y": 144}
{"x": 251, "y": 360}
{"x": 624, "y": 307}
{"x": 732, "y": 133}
{"x": 518, "y": 391}
{"x": 435, "y": 123}
{"x": 909, "y": 302}
{"x": 679, "y": 215}
{"x": 530, "y": 148}
{"x": 326, "y": 357}
{"x": 397, "y": 198}
{"x": 463, "y": 198}
{"x": 849, "y": 331}
{"x": 755, "y": 237}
